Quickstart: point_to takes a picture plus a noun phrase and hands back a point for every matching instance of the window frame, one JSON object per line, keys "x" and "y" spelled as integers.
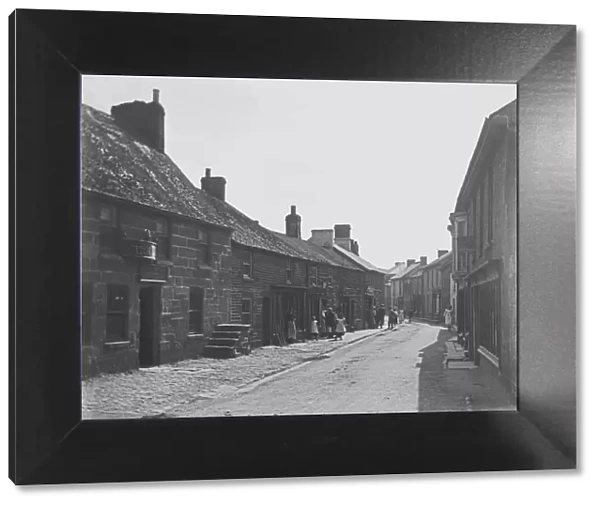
{"x": 246, "y": 315}
{"x": 87, "y": 311}
{"x": 193, "y": 322}
{"x": 108, "y": 228}
{"x": 123, "y": 312}
{"x": 163, "y": 238}
{"x": 248, "y": 264}
{"x": 289, "y": 273}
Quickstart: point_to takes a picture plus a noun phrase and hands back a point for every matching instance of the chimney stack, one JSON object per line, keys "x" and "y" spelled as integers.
{"x": 396, "y": 264}
{"x": 293, "y": 224}
{"x": 323, "y": 238}
{"x": 423, "y": 261}
{"x": 143, "y": 120}
{"x": 213, "y": 185}
{"x": 442, "y": 252}
{"x": 410, "y": 261}
{"x": 342, "y": 236}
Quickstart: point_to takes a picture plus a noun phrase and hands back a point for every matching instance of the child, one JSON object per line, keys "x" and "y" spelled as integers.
{"x": 314, "y": 328}
{"x": 340, "y": 330}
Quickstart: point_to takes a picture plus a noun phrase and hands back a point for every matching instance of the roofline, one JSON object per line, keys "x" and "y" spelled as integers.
{"x": 362, "y": 267}
{"x": 494, "y": 120}
{"x": 271, "y": 252}
{"x": 154, "y": 209}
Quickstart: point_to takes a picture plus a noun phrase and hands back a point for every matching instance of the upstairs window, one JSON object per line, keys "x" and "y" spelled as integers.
{"x": 203, "y": 255}
{"x": 312, "y": 275}
{"x": 461, "y": 228}
{"x": 117, "y": 313}
{"x": 247, "y": 264}
{"x": 289, "y": 274}
{"x": 162, "y": 238}
{"x": 196, "y": 310}
{"x": 108, "y": 227}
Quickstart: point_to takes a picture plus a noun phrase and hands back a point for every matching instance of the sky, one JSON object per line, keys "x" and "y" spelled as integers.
{"x": 387, "y": 158}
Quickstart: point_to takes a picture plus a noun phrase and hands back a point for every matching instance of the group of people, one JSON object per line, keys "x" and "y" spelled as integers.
{"x": 395, "y": 316}
{"x": 334, "y": 325}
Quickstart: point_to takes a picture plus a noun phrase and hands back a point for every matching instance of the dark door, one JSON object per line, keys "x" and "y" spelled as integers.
{"x": 148, "y": 351}
{"x": 266, "y": 321}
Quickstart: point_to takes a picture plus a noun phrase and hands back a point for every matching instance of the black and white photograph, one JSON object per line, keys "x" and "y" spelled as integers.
{"x": 256, "y": 247}
{"x": 249, "y": 247}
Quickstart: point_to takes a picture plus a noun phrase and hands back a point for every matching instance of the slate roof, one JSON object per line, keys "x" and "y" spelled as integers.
{"x": 116, "y": 165}
{"x": 439, "y": 260}
{"x": 395, "y": 270}
{"x": 316, "y": 253}
{"x": 407, "y": 270}
{"x": 358, "y": 260}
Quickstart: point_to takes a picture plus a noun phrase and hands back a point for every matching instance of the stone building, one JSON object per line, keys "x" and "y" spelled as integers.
{"x": 373, "y": 292}
{"x": 164, "y": 262}
{"x": 483, "y": 227}
{"x": 393, "y": 297}
{"x": 436, "y": 286}
{"x": 155, "y": 254}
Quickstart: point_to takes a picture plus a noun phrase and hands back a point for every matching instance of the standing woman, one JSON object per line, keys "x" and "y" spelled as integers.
{"x": 448, "y": 317}
{"x": 291, "y": 325}
{"x": 340, "y": 329}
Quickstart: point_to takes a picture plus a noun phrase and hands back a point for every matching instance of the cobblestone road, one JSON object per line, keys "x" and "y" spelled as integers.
{"x": 398, "y": 371}
{"x": 159, "y": 390}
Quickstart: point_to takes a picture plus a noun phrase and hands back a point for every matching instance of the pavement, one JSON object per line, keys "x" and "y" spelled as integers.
{"x": 373, "y": 371}
{"x": 157, "y": 391}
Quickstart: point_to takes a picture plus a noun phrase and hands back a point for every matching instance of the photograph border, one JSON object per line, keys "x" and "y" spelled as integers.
{"x": 51, "y": 50}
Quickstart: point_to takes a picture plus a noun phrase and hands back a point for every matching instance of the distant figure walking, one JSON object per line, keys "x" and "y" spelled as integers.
{"x": 392, "y": 319}
{"x": 410, "y": 315}
{"x": 330, "y": 322}
{"x": 401, "y": 316}
{"x": 340, "y": 329}
{"x": 290, "y": 319}
{"x": 314, "y": 328}
{"x": 380, "y": 316}
{"x": 448, "y": 317}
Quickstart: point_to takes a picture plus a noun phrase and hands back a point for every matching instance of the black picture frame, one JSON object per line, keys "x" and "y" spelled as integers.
{"x": 50, "y": 50}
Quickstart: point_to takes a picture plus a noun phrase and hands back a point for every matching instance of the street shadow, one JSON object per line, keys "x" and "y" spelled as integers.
{"x": 433, "y": 392}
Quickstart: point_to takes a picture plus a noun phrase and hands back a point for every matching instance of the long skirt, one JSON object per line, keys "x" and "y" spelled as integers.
{"x": 291, "y": 330}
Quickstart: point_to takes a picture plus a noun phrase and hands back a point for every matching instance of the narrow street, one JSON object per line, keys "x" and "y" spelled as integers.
{"x": 398, "y": 371}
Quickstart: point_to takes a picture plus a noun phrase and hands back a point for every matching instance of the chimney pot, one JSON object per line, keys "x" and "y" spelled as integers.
{"x": 293, "y": 224}
{"x": 207, "y": 172}
{"x": 442, "y": 252}
{"x": 423, "y": 260}
{"x": 155, "y": 95}
{"x": 410, "y": 261}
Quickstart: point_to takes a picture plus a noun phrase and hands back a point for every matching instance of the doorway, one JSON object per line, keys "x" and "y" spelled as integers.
{"x": 266, "y": 321}
{"x": 149, "y": 332}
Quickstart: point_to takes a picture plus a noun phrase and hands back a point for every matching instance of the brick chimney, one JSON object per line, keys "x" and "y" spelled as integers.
{"x": 293, "y": 224}
{"x": 213, "y": 185}
{"x": 323, "y": 238}
{"x": 442, "y": 252}
{"x": 342, "y": 236}
{"x": 410, "y": 261}
{"x": 143, "y": 120}
{"x": 354, "y": 247}
{"x": 423, "y": 261}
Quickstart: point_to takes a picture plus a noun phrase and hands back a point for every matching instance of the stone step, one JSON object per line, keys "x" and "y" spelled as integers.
{"x": 226, "y": 334}
{"x": 219, "y": 351}
{"x": 222, "y": 341}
